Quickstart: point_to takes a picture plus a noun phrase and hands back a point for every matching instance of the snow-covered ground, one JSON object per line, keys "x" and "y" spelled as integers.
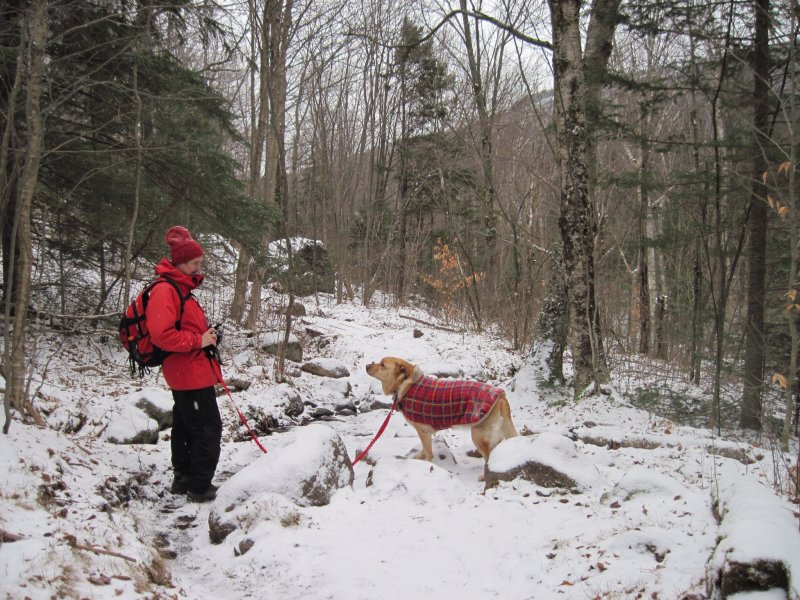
{"x": 81, "y": 517}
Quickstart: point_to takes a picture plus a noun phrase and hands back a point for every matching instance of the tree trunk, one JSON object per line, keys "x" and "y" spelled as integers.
{"x": 794, "y": 238}
{"x": 642, "y": 266}
{"x": 28, "y": 182}
{"x": 258, "y": 124}
{"x": 552, "y": 331}
{"x": 241, "y": 277}
{"x": 137, "y": 136}
{"x": 695, "y": 355}
{"x": 577, "y": 222}
{"x": 750, "y": 416}
{"x": 487, "y": 160}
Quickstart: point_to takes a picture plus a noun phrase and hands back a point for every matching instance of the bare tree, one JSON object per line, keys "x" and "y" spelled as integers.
{"x": 36, "y": 24}
{"x": 750, "y": 417}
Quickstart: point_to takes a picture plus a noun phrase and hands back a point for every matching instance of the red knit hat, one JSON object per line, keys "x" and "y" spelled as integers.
{"x": 182, "y": 247}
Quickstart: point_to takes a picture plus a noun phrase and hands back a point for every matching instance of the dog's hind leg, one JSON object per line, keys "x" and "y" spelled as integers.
{"x": 483, "y": 445}
{"x": 509, "y": 430}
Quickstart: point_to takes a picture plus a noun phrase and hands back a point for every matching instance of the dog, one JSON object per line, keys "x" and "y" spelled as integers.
{"x": 430, "y": 404}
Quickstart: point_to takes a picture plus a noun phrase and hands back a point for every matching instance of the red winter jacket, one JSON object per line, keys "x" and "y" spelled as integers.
{"x": 188, "y": 368}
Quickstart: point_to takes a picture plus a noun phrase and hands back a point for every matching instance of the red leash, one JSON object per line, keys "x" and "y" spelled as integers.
{"x": 218, "y": 371}
{"x": 380, "y": 432}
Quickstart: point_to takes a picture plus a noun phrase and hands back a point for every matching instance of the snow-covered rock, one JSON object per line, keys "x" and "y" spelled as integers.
{"x": 130, "y": 425}
{"x": 306, "y": 466}
{"x": 326, "y": 367}
{"x": 548, "y": 460}
{"x": 758, "y": 539}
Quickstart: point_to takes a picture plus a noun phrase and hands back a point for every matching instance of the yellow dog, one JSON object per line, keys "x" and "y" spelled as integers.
{"x": 431, "y": 404}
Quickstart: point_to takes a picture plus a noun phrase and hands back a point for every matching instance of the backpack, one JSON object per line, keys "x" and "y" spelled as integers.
{"x": 134, "y": 334}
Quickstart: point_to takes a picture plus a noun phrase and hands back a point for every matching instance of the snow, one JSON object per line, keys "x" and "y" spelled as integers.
{"x": 95, "y": 520}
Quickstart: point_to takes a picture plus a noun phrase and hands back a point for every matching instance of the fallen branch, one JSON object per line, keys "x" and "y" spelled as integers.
{"x": 85, "y": 368}
{"x": 103, "y": 551}
{"x": 427, "y": 324}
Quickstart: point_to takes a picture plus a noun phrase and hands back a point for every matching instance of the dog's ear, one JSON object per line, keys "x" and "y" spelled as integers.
{"x": 402, "y": 371}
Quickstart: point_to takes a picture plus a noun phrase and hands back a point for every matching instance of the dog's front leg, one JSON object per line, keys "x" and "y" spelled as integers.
{"x": 425, "y": 434}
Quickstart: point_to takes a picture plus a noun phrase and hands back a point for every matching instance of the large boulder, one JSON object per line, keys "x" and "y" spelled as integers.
{"x": 157, "y": 404}
{"x": 326, "y": 367}
{"x": 130, "y": 425}
{"x": 305, "y": 466}
{"x": 272, "y": 342}
{"x": 312, "y": 267}
{"x": 549, "y": 460}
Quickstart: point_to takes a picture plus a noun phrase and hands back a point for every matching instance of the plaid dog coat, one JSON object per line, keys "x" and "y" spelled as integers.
{"x": 442, "y": 403}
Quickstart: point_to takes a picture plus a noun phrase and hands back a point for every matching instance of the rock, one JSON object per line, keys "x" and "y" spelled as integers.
{"x": 294, "y": 407}
{"x": 272, "y": 342}
{"x": 243, "y": 547}
{"x": 296, "y": 310}
{"x": 550, "y": 460}
{"x": 374, "y": 403}
{"x": 339, "y": 387}
{"x": 312, "y": 269}
{"x": 304, "y": 467}
{"x": 131, "y": 426}
{"x": 442, "y": 370}
{"x": 326, "y": 367}
{"x": 286, "y": 396}
{"x": 157, "y": 404}
{"x": 347, "y": 409}
{"x": 321, "y": 412}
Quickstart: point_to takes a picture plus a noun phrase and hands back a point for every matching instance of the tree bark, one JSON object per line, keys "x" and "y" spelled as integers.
{"x": 750, "y": 416}
{"x": 486, "y": 154}
{"x": 577, "y": 221}
{"x": 28, "y": 182}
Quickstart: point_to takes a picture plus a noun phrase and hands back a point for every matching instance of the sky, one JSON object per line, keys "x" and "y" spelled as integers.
{"x": 84, "y": 517}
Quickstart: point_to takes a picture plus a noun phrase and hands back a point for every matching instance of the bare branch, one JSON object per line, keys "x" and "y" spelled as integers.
{"x": 468, "y": 13}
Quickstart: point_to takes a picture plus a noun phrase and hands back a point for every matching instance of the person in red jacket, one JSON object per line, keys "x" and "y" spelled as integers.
{"x": 188, "y": 371}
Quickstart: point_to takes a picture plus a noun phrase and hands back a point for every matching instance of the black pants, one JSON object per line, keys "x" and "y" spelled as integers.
{"x": 196, "y": 436}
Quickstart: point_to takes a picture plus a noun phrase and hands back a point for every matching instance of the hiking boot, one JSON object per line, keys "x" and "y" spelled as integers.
{"x": 180, "y": 485}
{"x": 206, "y": 496}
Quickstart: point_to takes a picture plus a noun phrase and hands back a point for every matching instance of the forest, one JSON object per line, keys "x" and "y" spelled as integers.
{"x": 609, "y": 183}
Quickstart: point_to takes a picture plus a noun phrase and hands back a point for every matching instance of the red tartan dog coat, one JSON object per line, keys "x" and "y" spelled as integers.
{"x": 443, "y": 403}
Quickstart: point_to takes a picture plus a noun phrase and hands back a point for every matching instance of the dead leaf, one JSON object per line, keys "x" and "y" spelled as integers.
{"x": 780, "y": 380}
